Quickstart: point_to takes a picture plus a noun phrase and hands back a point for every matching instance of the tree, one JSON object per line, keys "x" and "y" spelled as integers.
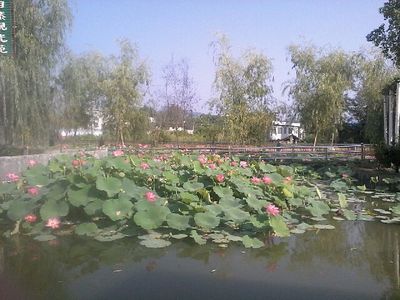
{"x": 80, "y": 90}
{"x": 244, "y": 93}
{"x": 179, "y": 94}
{"x": 319, "y": 89}
{"x": 386, "y": 36}
{"x": 124, "y": 89}
{"x": 365, "y": 108}
{"x": 26, "y": 80}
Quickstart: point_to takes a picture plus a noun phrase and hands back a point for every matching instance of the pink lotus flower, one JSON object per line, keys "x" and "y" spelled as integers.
{"x": 12, "y": 177}
{"x": 287, "y": 180}
{"x": 150, "y": 196}
{"x": 256, "y": 180}
{"x": 32, "y": 163}
{"x": 118, "y": 152}
{"x": 202, "y": 159}
{"x": 31, "y": 218}
{"x": 243, "y": 164}
{"x": 233, "y": 163}
{"x": 212, "y": 166}
{"x": 144, "y": 166}
{"x": 267, "y": 180}
{"x": 272, "y": 210}
{"x": 76, "y": 163}
{"x": 53, "y": 223}
{"x": 220, "y": 178}
{"x": 33, "y": 191}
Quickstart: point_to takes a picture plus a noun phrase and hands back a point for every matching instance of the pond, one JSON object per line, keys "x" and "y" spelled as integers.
{"x": 356, "y": 260}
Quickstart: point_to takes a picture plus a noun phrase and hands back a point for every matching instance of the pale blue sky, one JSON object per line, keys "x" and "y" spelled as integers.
{"x": 184, "y": 29}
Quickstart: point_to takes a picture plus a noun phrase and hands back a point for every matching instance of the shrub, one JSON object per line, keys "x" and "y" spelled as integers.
{"x": 388, "y": 156}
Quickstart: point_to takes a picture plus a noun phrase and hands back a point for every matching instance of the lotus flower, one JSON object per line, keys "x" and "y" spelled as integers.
{"x": 202, "y": 159}
{"x": 53, "y": 223}
{"x": 150, "y": 196}
{"x": 234, "y": 163}
{"x": 12, "y": 177}
{"x": 33, "y": 191}
{"x": 243, "y": 164}
{"x": 212, "y": 166}
{"x": 118, "y": 152}
{"x": 272, "y": 210}
{"x": 256, "y": 180}
{"x": 31, "y": 218}
{"x": 144, "y": 166}
{"x": 267, "y": 180}
{"x": 220, "y": 178}
{"x": 32, "y": 163}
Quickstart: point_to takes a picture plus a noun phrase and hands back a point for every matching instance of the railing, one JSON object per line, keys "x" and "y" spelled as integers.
{"x": 287, "y": 152}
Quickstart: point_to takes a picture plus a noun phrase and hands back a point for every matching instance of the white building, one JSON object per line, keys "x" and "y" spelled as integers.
{"x": 283, "y": 130}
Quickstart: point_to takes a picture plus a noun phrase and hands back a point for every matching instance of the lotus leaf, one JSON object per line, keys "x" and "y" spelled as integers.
{"x": 178, "y": 222}
{"x": 279, "y": 226}
{"x": 110, "y": 185}
{"x": 249, "y": 242}
{"x": 151, "y": 218}
{"x": 89, "y": 229}
{"x": 54, "y": 208}
{"x": 117, "y": 209}
{"x": 206, "y": 220}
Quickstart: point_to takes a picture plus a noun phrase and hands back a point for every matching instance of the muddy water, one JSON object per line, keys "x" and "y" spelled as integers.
{"x": 357, "y": 260}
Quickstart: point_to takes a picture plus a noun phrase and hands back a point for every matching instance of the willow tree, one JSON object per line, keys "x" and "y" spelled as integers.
{"x": 26, "y": 80}
{"x": 80, "y": 90}
{"x": 124, "y": 89}
{"x": 243, "y": 93}
{"x": 372, "y": 74}
{"x": 319, "y": 88}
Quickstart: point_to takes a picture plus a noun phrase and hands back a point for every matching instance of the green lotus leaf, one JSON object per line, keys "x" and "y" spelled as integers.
{"x": 178, "y": 222}
{"x": 198, "y": 238}
{"x": 110, "y": 185}
{"x": 321, "y": 226}
{"x": 267, "y": 168}
{"x": 131, "y": 189}
{"x": 229, "y": 202}
{"x": 206, "y": 220}
{"x": 54, "y": 208}
{"x": 295, "y": 202}
{"x": 155, "y": 243}
{"x": 94, "y": 207}
{"x": 285, "y": 170}
{"x": 117, "y": 209}
{"x": 7, "y": 188}
{"x": 232, "y": 238}
{"x": 107, "y": 237}
{"x": 18, "y": 209}
{"x": 277, "y": 178}
{"x": 287, "y": 193}
{"x": 89, "y": 229}
{"x": 236, "y": 215}
{"x": 188, "y": 197}
{"x": 249, "y": 242}
{"x": 42, "y": 180}
{"x": 256, "y": 204}
{"x": 339, "y": 185}
{"x": 193, "y": 186}
{"x": 342, "y": 200}
{"x": 318, "y": 208}
{"x": 45, "y": 237}
{"x": 297, "y": 231}
{"x": 279, "y": 226}
{"x": 259, "y": 221}
{"x": 81, "y": 197}
{"x": 396, "y": 209}
{"x": 350, "y": 215}
{"x": 223, "y": 192}
{"x": 179, "y": 236}
{"x": 151, "y": 218}
{"x": 119, "y": 163}
{"x": 214, "y": 209}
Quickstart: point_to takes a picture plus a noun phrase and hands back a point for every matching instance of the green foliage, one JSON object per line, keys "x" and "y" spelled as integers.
{"x": 244, "y": 94}
{"x": 388, "y": 156}
{"x": 26, "y": 80}
{"x": 178, "y": 196}
{"x": 386, "y": 35}
{"x": 319, "y": 89}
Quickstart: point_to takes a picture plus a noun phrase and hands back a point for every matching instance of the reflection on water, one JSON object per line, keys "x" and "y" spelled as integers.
{"x": 358, "y": 260}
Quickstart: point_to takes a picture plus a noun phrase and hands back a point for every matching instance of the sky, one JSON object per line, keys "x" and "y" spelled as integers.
{"x": 184, "y": 29}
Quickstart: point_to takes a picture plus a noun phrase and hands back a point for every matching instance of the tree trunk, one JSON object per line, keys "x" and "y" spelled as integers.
{"x": 315, "y": 138}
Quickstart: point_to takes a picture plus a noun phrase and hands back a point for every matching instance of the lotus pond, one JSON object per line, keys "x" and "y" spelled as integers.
{"x": 183, "y": 225}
